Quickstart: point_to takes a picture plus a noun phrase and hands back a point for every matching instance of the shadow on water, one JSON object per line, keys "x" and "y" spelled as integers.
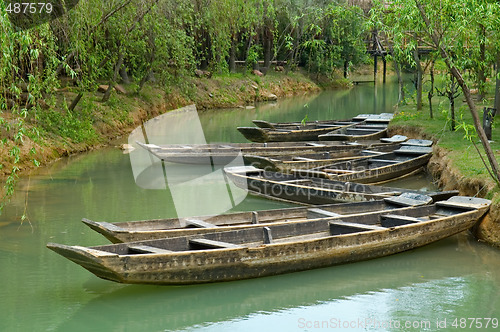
{"x": 154, "y": 308}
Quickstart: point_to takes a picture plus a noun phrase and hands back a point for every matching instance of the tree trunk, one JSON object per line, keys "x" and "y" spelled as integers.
{"x": 419, "y": 78}
{"x": 118, "y": 65}
{"x": 497, "y": 85}
{"x": 481, "y": 75}
{"x": 232, "y": 55}
{"x": 431, "y": 90}
{"x": 75, "y": 102}
{"x": 495, "y": 168}
{"x": 346, "y": 68}
{"x": 401, "y": 95}
{"x": 268, "y": 47}
{"x": 452, "y": 110}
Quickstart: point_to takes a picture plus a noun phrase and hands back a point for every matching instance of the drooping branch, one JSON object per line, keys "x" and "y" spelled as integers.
{"x": 466, "y": 91}
{"x": 103, "y": 20}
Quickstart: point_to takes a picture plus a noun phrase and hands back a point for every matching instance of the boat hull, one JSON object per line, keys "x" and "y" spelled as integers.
{"x": 265, "y": 260}
{"x": 166, "y": 228}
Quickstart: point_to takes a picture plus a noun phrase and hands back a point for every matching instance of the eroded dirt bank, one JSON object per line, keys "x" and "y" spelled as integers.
{"x": 450, "y": 178}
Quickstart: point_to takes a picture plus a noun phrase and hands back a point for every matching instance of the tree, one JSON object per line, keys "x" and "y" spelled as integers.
{"x": 446, "y": 26}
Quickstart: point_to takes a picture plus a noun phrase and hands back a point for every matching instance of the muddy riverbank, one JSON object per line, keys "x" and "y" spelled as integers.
{"x": 449, "y": 177}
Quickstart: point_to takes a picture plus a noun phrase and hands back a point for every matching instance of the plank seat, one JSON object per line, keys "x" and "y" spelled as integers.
{"x": 393, "y": 220}
{"x": 326, "y": 125}
{"x": 365, "y": 129}
{"x": 384, "y": 161}
{"x": 373, "y": 152}
{"x": 295, "y": 181}
{"x": 320, "y": 213}
{"x": 143, "y": 249}
{"x": 314, "y": 144}
{"x": 212, "y": 244}
{"x": 339, "y": 227}
{"x": 338, "y": 171}
{"x": 302, "y": 159}
{"x": 199, "y": 223}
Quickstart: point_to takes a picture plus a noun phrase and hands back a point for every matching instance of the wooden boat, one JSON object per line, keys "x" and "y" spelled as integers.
{"x": 355, "y": 133}
{"x": 292, "y": 133}
{"x": 276, "y": 249}
{"x": 377, "y": 168}
{"x": 224, "y": 153}
{"x": 372, "y": 118}
{"x": 290, "y": 188}
{"x": 172, "y": 227}
{"x": 314, "y": 161}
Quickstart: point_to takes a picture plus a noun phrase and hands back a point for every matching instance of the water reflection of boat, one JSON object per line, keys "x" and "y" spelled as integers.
{"x": 155, "y": 308}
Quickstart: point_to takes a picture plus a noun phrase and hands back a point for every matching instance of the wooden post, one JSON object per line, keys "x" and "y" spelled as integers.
{"x": 488, "y": 115}
{"x": 385, "y": 67}
{"x": 375, "y": 59}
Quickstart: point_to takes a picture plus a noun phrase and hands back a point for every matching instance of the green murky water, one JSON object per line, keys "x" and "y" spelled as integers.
{"x": 436, "y": 286}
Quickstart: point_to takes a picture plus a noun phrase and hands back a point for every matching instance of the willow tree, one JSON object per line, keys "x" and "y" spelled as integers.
{"x": 333, "y": 38}
{"x": 447, "y": 26}
{"x": 28, "y": 62}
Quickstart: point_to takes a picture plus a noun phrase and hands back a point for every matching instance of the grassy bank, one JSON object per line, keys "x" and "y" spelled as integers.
{"x": 456, "y": 164}
{"x": 93, "y": 124}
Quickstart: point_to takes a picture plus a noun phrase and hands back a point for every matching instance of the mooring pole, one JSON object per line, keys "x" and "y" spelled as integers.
{"x": 385, "y": 67}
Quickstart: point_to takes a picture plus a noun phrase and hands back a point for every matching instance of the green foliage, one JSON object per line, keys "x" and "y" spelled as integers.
{"x": 333, "y": 35}
{"x": 166, "y": 40}
{"x": 76, "y": 126}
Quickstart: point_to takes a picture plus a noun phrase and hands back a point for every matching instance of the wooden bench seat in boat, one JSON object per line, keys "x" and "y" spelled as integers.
{"x": 339, "y": 227}
{"x": 211, "y": 244}
{"x": 296, "y": 181}
{"x": 199, "y": 223}
{"x": 143, "y": 249}
{"x": 384, "y": 161}
{"x": 393, "y": 220}
{"x": 302, "y": 159}
{"x": 320, "y": 213}
{"x": 338, "y": 171}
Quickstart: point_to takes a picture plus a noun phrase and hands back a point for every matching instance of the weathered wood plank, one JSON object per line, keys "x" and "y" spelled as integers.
{"x": 199, "y": 223}
{"x": 320, "y": 213}
{"x": 143, "y": 249}
{"x": 339, "y": 227}
{"x": 393, "y": 220}
{"x": 213, "y": 244}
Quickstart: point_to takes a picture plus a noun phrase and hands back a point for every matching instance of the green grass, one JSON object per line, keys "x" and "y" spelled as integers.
{"x": 461, "y": 150}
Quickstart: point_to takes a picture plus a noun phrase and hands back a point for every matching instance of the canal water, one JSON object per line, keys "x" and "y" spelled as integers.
{"x": 448, "y": 285}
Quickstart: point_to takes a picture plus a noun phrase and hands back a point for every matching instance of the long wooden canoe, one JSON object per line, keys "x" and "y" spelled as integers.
{"x": 172, "y": 227}
{"x": 293, "y": 133}
{"x": 276, "y": 249}
{"x": 224, "y": 153}
{"x": 372, "y": 118}
{"x": 373, "y": 169}
{"x": 290, "y": 188}
{"x": 313, "y": 161}
{"x": 355, "y": 133}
